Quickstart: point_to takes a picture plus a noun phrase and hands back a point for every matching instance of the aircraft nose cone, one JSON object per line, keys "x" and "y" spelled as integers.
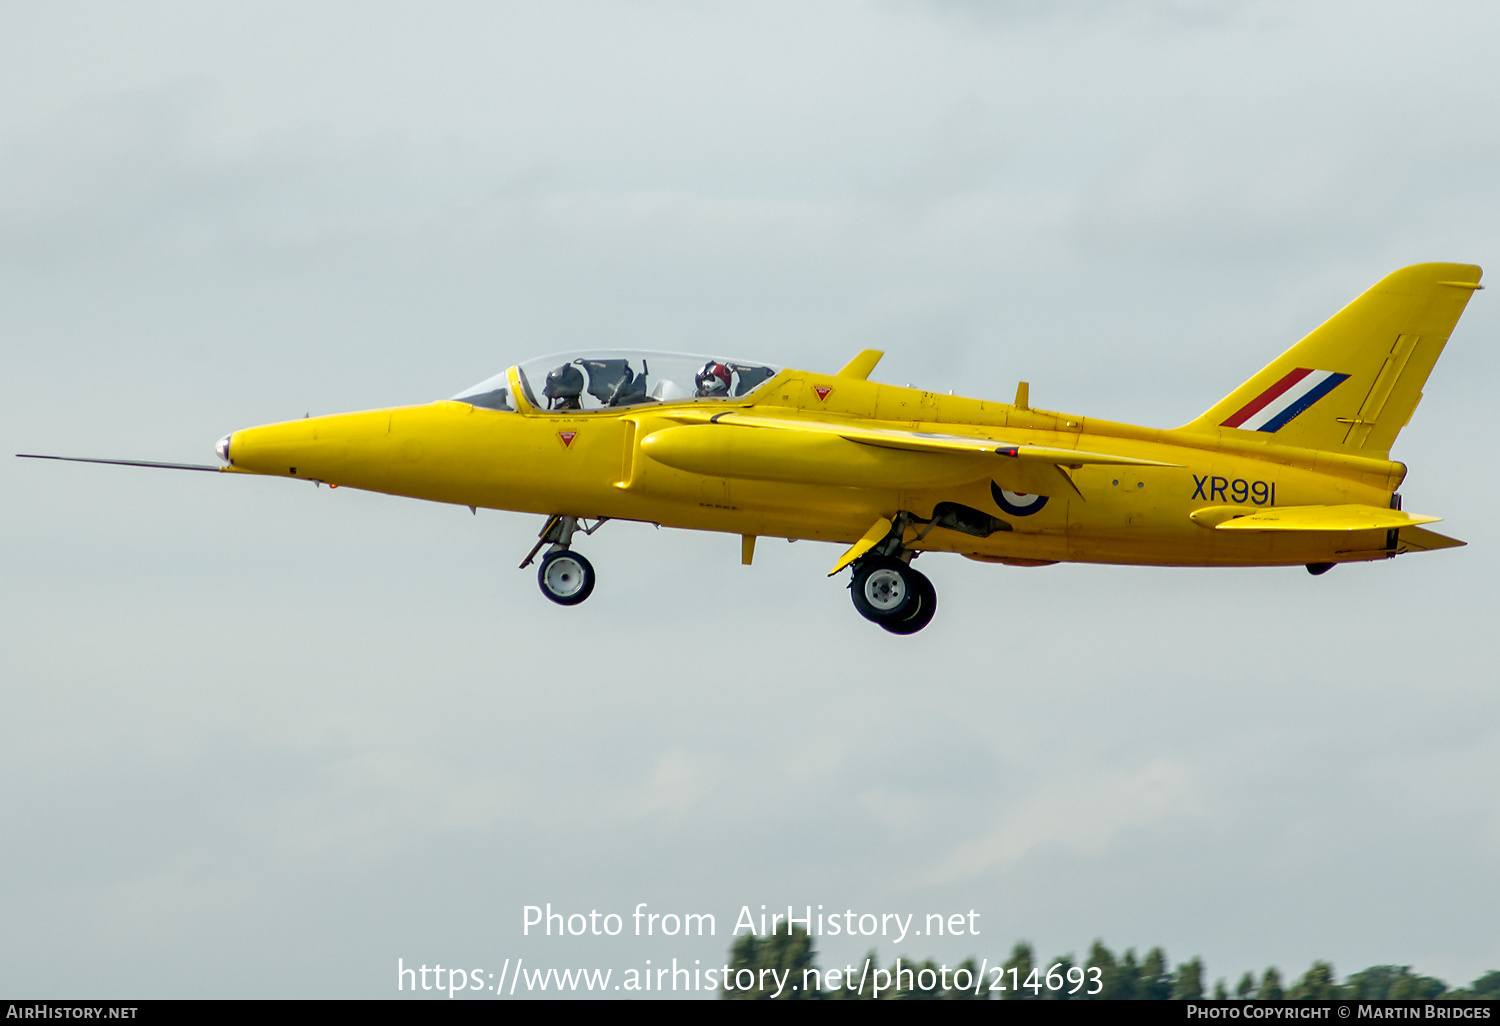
{"x": 223, "y": 448}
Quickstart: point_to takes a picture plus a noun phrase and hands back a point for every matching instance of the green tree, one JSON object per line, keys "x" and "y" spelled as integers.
{"x": 978, "y": 990}
{"x": 1270, "y": 986}
{"x": 1060, "y": 965}
{"x": 1015, "y": 983}
{"x": 786, "y": 952}
{"x": 854, "y": 984}
{"x": 1372, "y": 984}
{"x": 1103, "y": 959}
{"x": 1119, "y": 979}
{"x": 1317, "y": 984}
{"x": 1487, "y": 987}
{"x": 908, "y": 979}
{"x": 1392, "y": 983}
{"x": 1128, "y": 977}
{"x": 1410, "y": 987}
{"x": 743, "y": 954}
{"x": 1155, "y": 982}
{"x": 1187, "y": 983}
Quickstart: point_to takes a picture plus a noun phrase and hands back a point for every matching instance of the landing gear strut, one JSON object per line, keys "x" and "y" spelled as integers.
{"x": 564, "y": 576}
{"x": 887, "y": 591}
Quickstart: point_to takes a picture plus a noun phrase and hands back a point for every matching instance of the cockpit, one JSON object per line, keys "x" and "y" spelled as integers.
{"x": 604, "y": 379}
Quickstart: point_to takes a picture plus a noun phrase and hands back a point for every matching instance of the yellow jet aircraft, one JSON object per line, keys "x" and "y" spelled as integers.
{"x": 1291, "y": 468}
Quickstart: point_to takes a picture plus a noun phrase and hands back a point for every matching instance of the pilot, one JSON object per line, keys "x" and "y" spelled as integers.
{"x": 564, "y": 388}
{"x": 712, "y": 380}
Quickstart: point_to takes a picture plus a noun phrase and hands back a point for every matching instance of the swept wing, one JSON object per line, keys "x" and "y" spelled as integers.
{"x": 925, "y": 441}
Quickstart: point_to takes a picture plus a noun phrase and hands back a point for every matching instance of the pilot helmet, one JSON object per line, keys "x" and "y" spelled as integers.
{"x": 713, "y": 379}
{"x": 566, "y": 382}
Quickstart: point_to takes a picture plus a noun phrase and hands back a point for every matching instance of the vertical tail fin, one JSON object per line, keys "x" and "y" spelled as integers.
{"x": 1352, "y": 384}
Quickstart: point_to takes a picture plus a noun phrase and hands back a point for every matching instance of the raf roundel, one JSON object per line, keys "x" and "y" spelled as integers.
{"x": 1017, "y": 504}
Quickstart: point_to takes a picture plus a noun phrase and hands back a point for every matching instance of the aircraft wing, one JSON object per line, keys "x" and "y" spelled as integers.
{"x": 1350, "y": 517}
{"x": 924, "y": 441}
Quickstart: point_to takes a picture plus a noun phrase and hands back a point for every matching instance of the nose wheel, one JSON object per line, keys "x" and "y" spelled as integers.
{"x": 564, "y": 576}
{"x": 888, "y": 592}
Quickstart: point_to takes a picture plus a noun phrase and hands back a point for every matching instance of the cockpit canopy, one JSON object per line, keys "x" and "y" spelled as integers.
{"x": 605, "y": 378}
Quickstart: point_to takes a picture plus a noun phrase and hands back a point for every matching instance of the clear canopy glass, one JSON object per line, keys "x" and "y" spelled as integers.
{"x": 605, "y": 378}
{"x": 493, "y": 393}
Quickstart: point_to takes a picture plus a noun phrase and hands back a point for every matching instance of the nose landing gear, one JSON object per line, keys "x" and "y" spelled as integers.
{"x": 564, "y": 576}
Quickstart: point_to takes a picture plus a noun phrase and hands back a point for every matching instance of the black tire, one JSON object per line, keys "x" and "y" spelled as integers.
{"x": 884, "y": 590}
{"x": 565, "y": 577}
{"x": 924, "y": 610}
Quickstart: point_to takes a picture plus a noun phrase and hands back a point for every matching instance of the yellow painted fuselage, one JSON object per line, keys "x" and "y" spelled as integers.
{"x": 665, "y": 463}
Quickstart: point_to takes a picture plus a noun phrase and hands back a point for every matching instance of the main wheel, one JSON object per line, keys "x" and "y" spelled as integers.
{"x": 565, "y": 577}
{"x": 922, "y": 611}
{"x": 884, "y": 590}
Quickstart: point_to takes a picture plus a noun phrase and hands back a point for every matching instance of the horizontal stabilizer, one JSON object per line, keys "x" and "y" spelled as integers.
{"x": 1350, "y": 517}
{"x": 1419, "y": 539}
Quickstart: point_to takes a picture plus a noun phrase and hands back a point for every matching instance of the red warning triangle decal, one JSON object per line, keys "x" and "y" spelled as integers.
{"x": 822, "y": 391}
{"x": 567, "y": 438}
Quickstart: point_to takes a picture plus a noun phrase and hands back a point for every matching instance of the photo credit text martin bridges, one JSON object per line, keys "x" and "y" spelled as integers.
{"x": 1290, "y": 469}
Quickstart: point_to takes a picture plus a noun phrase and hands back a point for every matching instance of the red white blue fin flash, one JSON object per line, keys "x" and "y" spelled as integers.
{"x": 1280, "y": 404}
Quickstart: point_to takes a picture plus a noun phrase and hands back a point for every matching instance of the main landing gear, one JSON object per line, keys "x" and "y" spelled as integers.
{"x": 890, "y": 593}
{"x": 564, "y": 576}
{"x": 887, "y": 591}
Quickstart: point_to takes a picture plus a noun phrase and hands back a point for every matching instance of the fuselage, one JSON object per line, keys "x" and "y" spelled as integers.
{"x": 666, "y": 463}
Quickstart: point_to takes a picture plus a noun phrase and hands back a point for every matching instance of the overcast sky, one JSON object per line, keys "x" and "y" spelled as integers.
{"x": 263, "y": 741}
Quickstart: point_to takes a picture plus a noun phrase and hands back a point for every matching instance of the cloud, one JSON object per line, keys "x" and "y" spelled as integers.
{"x": 1084, "y": 815}
{"x": 678, "y": 781}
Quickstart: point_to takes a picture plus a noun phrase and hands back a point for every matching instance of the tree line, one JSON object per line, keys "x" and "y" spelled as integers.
{"x": 789, "y": 957}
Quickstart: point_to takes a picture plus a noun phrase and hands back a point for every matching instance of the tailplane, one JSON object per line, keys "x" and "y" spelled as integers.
{"x": 1352, "y": 384}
